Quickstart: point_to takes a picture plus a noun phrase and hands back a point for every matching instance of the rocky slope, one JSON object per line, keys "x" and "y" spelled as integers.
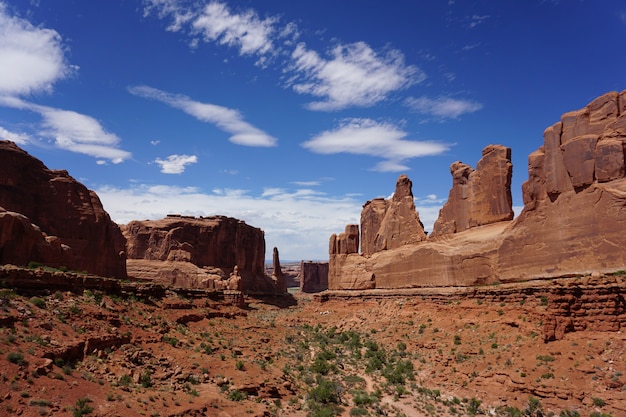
{"x": 573, "y": 221}
{"x": 445, "y": 351}
{"x": 47, "y": 216}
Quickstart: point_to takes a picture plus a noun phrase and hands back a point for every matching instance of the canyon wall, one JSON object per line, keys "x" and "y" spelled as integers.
{"x": 573, "y": 221}
{"x": 47, "y": 216}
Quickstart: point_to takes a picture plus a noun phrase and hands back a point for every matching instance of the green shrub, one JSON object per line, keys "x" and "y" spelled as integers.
{"x": 38, "y": 302}
{"x": 236, "y": 395}
{"x": 82, "y": 407}
{"x": 16, "y": 358}
{"x": 324, "y": 393}
{"x": 146, "y": 379}
{"x": 125, "y": 380}
{"x": 473, "y": 406}
{"x": 569, "y": 413}
{"x": 598, "y": 402}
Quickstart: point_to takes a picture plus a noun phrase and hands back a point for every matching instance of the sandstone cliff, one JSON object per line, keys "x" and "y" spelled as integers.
{"x": 478, "y": 197}
{"x": 205, "y": 252}
{"x": 573, "y": 221}
{"x": 50, "y": 217}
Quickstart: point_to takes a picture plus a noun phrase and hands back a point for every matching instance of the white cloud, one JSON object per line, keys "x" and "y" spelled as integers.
{"x": 299, "y": 222}
{"x": 73, "y": 131}
{"x": 355, "y": 75}
{"x": 443, "y": 107}
{"x": 367, "y": 137}
{"x": 175, "y": 164}
{"x": 245, "y": 31}
{"x": 352, "y": 75}
{"x": 32, "y": 57}
{"x": 229, "y": 120}
{"x": 306, "y": 183}
{"x": 19, "y": 138}
{"x": 216, "y": 23}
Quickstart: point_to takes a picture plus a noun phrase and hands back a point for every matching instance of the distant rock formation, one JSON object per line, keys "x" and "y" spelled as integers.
{"x": 478, "y": 197}
{"x": 573, "y": 221}
{"x": 216, "y": 248}
{"x": 69, "y": 225}
{"x": 313, "y": 276}
{"x": 279, "y": 278}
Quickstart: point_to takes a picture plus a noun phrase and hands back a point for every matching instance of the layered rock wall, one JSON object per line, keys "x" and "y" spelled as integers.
{"x": 69, "y": 219}
{"x": 573, "y": 221}
{"x": 221, "y": 242}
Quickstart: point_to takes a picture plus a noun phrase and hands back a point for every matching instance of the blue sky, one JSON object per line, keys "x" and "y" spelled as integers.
{"x": 290, "y": 115}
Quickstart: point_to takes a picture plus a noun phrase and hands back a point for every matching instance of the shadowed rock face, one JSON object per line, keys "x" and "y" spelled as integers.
{"x": 217, "y": 241}
{"x": 69, "y": 218}
{"x": 573, "y": 221}
{"x": 478, "y": 197}
{"x": 313, "y": 276}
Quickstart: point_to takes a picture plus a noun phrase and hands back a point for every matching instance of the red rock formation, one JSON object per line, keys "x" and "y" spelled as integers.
{"x": 279, "y": 278}
{"x": 206, "y": 242}
{"x": 313, "y": 276}
{"x": 573, "y": 222}
{"x": 478, "y": 197}
{"x": 401, "y": 224}
{"x": 65, "y": 211}
{"x": 346, "y": 242}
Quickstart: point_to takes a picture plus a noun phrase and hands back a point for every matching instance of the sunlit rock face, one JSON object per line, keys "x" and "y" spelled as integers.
{"x": 71, "y": 228}
{"x": 223, "y": 247}
{"x": 478, "y": 196}
{"x": 573, "y": 221}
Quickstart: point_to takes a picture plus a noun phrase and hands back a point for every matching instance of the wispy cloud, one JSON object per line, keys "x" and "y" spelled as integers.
{"x": 19, "y": 138}
{"x": 73, "y": 131}
{"x": 175, "y": 164}
{"x": 244, "y": 31}
{"x": 368, "y": 137}
{"x": 32, "y": 60}
{"x": 622, "y": 16}
{"x": 354, "y": 75}
{"x": 346, "y": 75}
{"x": 32, "y": 57}
{"x": 229, "y": 120}
{"x": 216, "y": 23}
{"x": 442, "y": 107}
{"x": 476, "y": 20}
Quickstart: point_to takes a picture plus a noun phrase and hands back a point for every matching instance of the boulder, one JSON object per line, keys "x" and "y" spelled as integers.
{"x": 69, "y": 217}
{"x": 221, "y": 242}
{"x": 478, "y": 197}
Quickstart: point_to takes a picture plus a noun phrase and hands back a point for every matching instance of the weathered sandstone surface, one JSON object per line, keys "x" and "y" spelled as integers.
{"x": 313, "y": 276}
{"x": 478, "y": 197}
{"x": 573, "y": 221}
{"x": 51, "y": 218}
{"x": 199, "y": 252}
